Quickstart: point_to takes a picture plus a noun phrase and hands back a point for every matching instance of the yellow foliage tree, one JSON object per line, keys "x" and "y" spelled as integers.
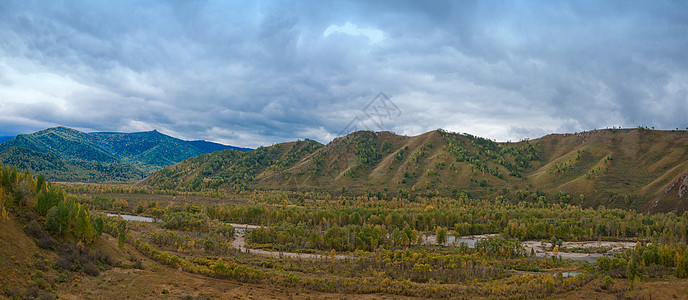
{"x": 5, "y": 214}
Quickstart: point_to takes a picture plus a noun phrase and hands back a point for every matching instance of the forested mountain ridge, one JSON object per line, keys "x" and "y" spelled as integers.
{"x": 632, "y": 168}
{"x": 148, "y": 151}
{"x": 69, "y": 170}
{"x": 64, "y": 142}
{"x": 65, "y": 154}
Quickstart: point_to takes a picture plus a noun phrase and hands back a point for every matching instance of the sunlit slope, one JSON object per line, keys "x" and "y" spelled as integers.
{"x": 231, "y": 168}
{"x": 435, "y": 162}
{"x": 630, "y": 167}
{"x": 614, "y": 167}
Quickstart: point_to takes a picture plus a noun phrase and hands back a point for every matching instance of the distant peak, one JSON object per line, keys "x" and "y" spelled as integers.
{"x": 59, "y": 129}
{"x": 154, "y": 132}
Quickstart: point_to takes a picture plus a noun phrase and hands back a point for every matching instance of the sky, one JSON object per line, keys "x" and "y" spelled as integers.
{"x": 255, "y": 73}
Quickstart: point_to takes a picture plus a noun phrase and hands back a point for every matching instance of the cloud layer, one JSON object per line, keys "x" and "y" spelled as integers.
{"x": 255, "y": 73}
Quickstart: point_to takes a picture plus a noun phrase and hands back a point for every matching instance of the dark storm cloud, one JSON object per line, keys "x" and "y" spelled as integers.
{"x": 256, "y": 73}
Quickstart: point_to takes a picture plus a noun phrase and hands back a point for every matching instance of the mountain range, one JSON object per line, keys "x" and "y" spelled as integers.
{"x": 639, "y": 168}
{"x": 64, "y": 154}
{"x": 642, "y": 169}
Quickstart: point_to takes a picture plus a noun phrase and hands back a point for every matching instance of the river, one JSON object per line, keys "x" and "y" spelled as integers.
{"x": 539, "y": 248}
{"x": 132, "y": 217}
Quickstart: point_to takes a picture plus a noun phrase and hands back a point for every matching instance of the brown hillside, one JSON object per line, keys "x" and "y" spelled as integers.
{"x": 629, "y": 168}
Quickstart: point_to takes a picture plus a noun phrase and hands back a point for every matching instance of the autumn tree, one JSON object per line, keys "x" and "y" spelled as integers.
{"x": 441, "y": 235}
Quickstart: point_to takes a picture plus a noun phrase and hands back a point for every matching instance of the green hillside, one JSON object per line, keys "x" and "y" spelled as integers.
{"x": 64, "y": 142}
{"x": 64, "y": 154}
{"x": 631, "y": 168}
{"x": 57, "y": 169}
{"x": 148, "y": 151}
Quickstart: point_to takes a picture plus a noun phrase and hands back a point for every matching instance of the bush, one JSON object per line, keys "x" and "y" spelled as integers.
{"x": 74, "y": 259}
{"x": 32, "y": 291}
{"x": 34, "y": 229}
{"x": 101, "y": 257}
{"x": 69, "y": 258}
{"x": 607, "y": 282}
{"x": 91, "y": 269}
{"x": 220, "y": 269}
{"x": 604, "y": 263}
{"x": 248, "y": 274}
{"x": 47, "y": 297}
{"x": 64, "y": 263}
{"x": 138, "y": 264}
{"x": 43, "y": 239}
{"x": 47, "y": 242}
{"x": 187, "y": 221}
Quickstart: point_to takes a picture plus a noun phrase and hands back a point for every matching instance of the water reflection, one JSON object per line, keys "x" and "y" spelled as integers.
{"x": 132, "y": 218}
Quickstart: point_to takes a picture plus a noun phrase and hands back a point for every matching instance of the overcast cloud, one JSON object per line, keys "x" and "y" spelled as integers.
{"x": 254, "y": 73}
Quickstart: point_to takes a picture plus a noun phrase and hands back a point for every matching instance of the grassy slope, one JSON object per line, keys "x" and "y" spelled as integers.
{"x": 643, "y": 163}
{"x": 410, "y": 163}
{"x": 619, "y": 168}
{"x": 223, "y": 168}
{"x": 20, "y": 257}
{"x": 16, "y": 252}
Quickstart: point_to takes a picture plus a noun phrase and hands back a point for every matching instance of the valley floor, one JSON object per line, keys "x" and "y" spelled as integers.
{"x": 160, "y": 281}
{"x": 283, "y": 245}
